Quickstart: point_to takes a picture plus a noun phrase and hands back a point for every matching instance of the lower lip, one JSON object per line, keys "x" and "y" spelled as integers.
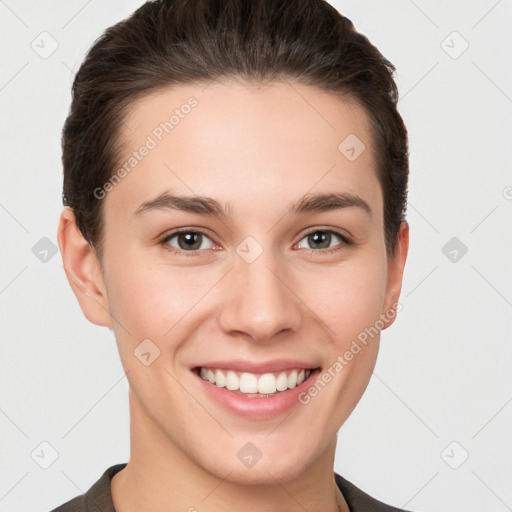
{"x": 254, "y": 407}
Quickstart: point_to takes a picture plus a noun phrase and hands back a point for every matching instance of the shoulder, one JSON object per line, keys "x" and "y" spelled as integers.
{"x": 359, "y": 501}
{"x": 77, "y": 504}
{"x": 97, "y": 499}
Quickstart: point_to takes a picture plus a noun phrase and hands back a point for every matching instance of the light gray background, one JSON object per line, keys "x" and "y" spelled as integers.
{"x": 443, "y": 375}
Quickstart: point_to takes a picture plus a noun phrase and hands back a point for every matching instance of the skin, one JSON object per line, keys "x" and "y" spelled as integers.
{"x": 256, "y": 150}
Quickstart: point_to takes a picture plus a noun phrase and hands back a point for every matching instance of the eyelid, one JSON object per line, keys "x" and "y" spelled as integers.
{"x": 185, "y": 229}
{"x": 338, "y": 231}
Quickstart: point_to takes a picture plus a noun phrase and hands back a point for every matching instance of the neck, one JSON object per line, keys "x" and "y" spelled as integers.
{"x": 160, "y": 476}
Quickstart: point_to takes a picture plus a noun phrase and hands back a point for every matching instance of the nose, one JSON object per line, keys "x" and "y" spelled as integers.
{"x": 260, "y": 301}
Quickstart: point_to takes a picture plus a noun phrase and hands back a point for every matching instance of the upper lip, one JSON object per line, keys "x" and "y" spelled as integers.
{"x": 274, "y": 366}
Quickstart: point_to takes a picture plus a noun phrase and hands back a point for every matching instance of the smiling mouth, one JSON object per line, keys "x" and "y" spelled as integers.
{"x": 256, "y": 385}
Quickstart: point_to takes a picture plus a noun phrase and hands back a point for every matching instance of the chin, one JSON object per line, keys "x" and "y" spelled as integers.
{"x": 281, "y": 465}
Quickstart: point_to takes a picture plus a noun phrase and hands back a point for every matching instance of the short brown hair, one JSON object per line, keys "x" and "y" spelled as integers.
{"x": 171, "y": 42}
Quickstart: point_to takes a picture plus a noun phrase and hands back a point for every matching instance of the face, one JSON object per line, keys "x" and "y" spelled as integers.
{"x": 245, "y": 273}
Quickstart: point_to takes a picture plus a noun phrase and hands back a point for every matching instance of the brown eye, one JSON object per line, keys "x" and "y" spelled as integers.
{"x": 322, "y": 239}
{"x": 188, "y": 241}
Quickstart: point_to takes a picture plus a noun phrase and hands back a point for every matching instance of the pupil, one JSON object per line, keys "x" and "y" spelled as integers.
{"x": 321, "y": 238}
{"x": 192, "y": 241}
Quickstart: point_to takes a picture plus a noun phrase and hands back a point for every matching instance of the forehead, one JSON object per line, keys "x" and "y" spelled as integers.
{"x": 244, "y": 144}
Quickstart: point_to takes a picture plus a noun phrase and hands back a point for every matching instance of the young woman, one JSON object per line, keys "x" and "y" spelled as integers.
{"x": 235, "y": 178}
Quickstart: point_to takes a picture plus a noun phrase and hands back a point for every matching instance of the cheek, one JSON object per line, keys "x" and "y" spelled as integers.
{"x": 150, "y": 299}
{"x": 349, "y": 300}
{"x": 350, "y": 297}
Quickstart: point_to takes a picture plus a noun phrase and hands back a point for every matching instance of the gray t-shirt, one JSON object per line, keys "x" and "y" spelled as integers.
{"x": 99, "y": 499}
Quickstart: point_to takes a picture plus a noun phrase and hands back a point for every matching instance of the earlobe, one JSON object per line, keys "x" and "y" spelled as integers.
{"x": 396, "y": 266}
{"x": 83, "y": 270}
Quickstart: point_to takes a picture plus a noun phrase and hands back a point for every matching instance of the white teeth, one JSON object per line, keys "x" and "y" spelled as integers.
{"x": 267, "y": 383}
{"x": 292, "y": 379}
{"x": 282, "y": 382}
{"x": 248, "y": 383}
{"x": 232, "y": 381}
{"x": 220, "y": 379}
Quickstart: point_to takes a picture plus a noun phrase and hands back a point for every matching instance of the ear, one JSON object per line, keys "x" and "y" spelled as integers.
{"x": 83, "y": 270}
{"x": 396, "y": 266}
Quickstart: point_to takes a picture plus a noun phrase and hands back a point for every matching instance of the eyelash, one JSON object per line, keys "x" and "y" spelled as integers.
{"x": 344, "y": 239}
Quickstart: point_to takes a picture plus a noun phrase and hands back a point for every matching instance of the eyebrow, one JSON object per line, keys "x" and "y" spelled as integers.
{"x": 208, "y": 206}
{"x": 328, "y": 202}
{"x": 194, "y": 204}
